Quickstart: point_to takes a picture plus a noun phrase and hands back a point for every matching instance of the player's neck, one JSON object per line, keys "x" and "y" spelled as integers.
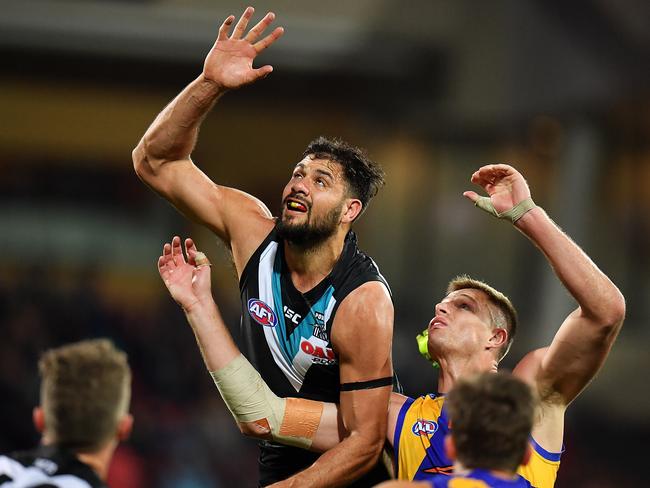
{"x": 454, "y": 368}
{"x": 308, "y": 267}
{"x": 100, "y": 460}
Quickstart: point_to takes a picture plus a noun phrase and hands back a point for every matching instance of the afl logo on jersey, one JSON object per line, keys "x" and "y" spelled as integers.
{"x": 424, "y": 427}
{"x": 262, "y": 313}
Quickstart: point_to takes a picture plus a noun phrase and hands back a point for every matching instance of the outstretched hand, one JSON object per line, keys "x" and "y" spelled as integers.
{"x": 505, "y": 186}
{"x": 230, "y": 61}
{"x": 187, "y": 279}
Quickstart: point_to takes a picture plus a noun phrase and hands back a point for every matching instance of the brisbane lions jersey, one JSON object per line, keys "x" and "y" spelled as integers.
{"x": 287, "y": 334}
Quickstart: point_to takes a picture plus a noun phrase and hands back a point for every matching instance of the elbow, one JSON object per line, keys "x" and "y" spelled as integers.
{"x": 612, "y": 314}
{"x": 140, "y": 161}
{"x": 145, "y": 166}
{"x": 616, "y": 313}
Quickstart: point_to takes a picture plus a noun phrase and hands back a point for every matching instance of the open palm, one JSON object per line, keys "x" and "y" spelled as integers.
{"x": 230, "y": 61}
{"x": 187, "y": 283}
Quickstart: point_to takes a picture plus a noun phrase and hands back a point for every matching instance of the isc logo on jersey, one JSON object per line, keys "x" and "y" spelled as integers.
{"x": 424, "y": 427}
{"x": 262, "y": 313}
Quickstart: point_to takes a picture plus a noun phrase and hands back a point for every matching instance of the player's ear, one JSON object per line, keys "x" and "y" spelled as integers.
{"x": 351, "y": 210}
{"x": 38, "y": 418}
{"x": 124, "y": 427}
{"x": 499, "y": 338}
{"x": 527, "y": 454}
{"x": 450, "y": 447}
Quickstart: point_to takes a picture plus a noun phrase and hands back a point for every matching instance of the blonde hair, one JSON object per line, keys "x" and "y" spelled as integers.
{"x": 85, "y": 391}
{"x": 506, "y": 317}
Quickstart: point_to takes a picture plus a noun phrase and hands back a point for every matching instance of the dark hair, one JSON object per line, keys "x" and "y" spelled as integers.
{"x": 507, "y": 319}
{"x": 364, "y": 177}
{"x": 85, "y": 391}
{"x": 491, "y": 419}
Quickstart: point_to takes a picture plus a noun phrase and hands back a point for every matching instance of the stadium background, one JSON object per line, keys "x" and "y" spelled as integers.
{"x": 433, "y": 89}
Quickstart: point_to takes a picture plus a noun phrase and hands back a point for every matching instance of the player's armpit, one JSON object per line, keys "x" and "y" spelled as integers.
{"x": 548, "y": 427}
{"x": 240, "y": 220}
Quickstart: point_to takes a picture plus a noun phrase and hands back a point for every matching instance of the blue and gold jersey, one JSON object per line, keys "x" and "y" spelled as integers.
{"x": 542, "y": 467}
{"x": 420, "y": 431}
{"x": 479, "y": 478}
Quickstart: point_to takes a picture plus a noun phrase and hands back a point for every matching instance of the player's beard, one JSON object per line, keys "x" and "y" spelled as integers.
{"x": 309, "y": 235}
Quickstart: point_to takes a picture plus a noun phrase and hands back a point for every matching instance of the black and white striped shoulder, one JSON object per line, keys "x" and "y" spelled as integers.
{"x": 46, "y": 467}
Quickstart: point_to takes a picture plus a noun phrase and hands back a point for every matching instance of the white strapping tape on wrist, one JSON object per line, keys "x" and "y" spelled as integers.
{"x": 292, "y": 421}
{"x": 514, "y": 214}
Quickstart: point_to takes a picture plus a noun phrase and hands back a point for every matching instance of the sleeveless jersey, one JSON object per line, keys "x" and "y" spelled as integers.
{"x": 478, "y": 478}
{"x": 418, "y": 442}
{"x": 287, "y": 335}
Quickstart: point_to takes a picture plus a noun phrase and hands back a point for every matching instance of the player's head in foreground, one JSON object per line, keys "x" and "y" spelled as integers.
{"x": 491, "y": 416}
{"x": 85, "y": 396}
{"x": 329, "y": 188}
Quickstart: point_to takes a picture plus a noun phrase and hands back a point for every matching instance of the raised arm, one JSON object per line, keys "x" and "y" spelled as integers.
{"x": 362, "y": 336}
{"x": 162, "y": 157}
{"x": 584, "y": 339}
{"x": 259, "y": 413}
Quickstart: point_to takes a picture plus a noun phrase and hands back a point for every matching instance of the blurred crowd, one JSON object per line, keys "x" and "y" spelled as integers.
{"x": 183, "y": 436}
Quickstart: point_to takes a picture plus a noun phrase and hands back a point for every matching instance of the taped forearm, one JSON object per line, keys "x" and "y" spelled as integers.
{"x": 291, "y": 421}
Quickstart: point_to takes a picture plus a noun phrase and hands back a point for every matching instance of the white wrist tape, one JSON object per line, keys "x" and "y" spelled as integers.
{"x": 292, "y": 421}
{"x": 514, "y": 214}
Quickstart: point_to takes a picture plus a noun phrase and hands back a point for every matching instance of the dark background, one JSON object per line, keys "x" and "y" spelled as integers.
{"x": 433, "y": 89}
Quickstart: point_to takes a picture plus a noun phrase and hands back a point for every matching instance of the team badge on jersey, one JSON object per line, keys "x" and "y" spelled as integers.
{"x": 424, "y": 427}
{"x": 262, "y": 313}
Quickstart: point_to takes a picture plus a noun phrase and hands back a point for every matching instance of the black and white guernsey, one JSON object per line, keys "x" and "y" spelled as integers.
{"x": 46, "y": 467}
{"x": 287, "y": 336}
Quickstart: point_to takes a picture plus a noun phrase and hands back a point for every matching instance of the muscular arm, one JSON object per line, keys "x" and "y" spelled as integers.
{"x": 584, "y": 339}
{"x": 162, "y": 161}
{"x": 578, "y": 350}
{"x": 162, "y": 157}
{"x": 581, "y": 345}
{"x": 362, "y": 336}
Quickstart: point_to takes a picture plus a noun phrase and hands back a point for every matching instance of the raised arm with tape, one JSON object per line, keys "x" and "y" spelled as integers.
{"x": 257, "y": 410}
